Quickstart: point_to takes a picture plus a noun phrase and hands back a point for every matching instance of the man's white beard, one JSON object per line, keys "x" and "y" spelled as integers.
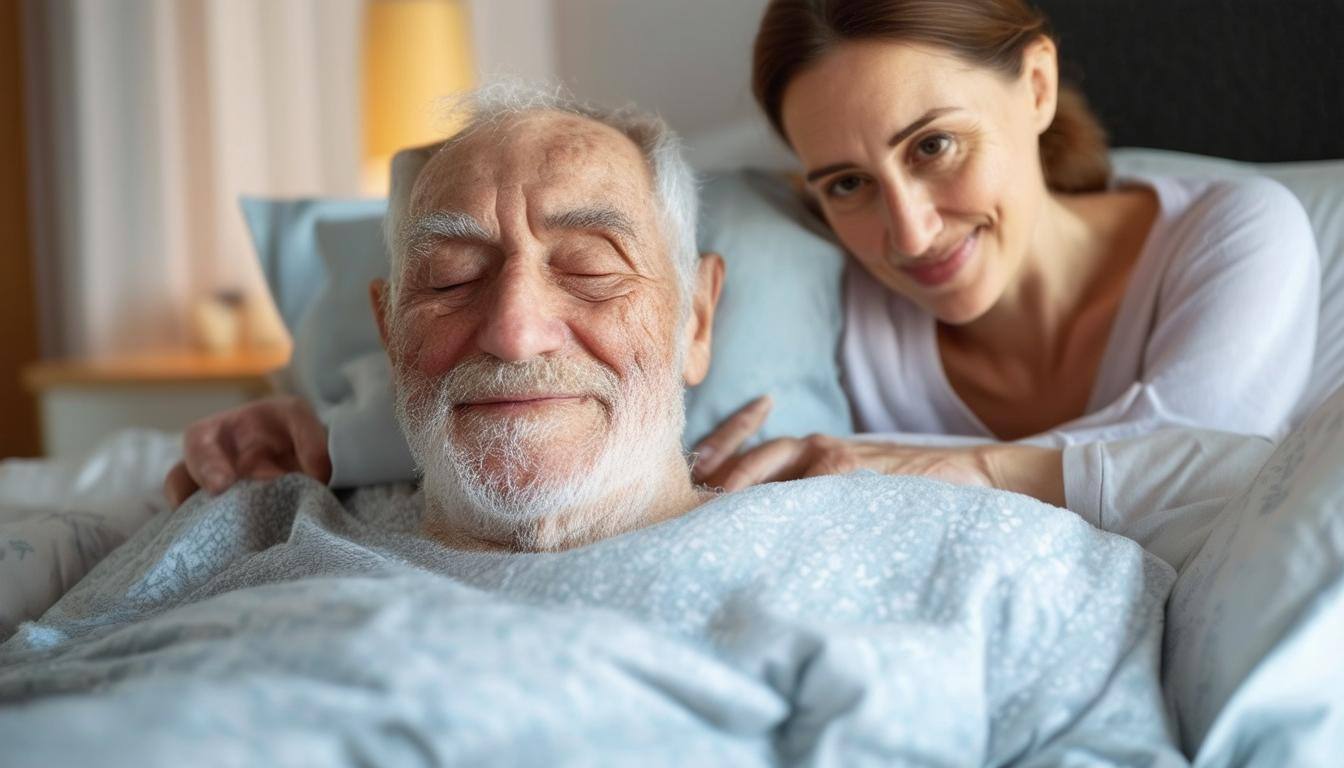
{"x": 502, "y": 489}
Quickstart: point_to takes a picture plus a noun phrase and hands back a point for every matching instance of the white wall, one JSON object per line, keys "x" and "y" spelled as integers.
{"x": 515, "y": 37}
{"x": 689, "y": 60}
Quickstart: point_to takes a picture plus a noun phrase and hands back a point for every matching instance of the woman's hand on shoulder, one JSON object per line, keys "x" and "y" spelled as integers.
{"x": 791, "y": 458}
{"x": 719, "y": 450}
{"x": 257, "y": 441}
{"x": 720, "y": 462}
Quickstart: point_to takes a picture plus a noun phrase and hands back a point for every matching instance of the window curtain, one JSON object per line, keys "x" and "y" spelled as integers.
{"x": 147, "y": 120}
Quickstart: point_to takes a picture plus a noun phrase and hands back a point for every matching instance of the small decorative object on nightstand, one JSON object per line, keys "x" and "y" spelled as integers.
{"x": 218, "y": 322}
{"x": 84, "y": 400}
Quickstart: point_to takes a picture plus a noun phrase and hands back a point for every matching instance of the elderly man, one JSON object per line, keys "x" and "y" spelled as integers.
{"x": 546, "y": 306}
{"x": 545, "y": 309}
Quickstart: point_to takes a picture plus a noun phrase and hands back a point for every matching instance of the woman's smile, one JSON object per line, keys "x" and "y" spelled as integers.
{"x": 940, "y": 268}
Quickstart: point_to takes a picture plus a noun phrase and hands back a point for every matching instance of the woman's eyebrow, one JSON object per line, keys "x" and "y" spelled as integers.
{"x": 896, "y": 138}
{"x": 929, "y": 117}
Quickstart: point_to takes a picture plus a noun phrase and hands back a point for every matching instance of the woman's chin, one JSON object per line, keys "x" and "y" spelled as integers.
{"x": 961, "y": 307}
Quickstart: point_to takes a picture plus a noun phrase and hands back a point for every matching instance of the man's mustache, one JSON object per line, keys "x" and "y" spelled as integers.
{"x": 483, "y": 378}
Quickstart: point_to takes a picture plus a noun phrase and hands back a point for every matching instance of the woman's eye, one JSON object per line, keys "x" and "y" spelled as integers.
{"x": 933, "y": 146}
{"x": 844, "y": 186}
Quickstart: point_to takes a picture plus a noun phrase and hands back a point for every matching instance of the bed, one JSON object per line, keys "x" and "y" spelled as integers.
{"x": 1275, "y": 701}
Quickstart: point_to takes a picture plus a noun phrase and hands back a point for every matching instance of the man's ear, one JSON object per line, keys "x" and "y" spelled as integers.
{"x": 700, "y": 324}
{"x": 379, "y": 296}
{"x": 1040, "y": 67}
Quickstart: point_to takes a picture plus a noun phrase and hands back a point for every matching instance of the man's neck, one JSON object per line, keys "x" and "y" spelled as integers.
{"x": 648, "y": 500}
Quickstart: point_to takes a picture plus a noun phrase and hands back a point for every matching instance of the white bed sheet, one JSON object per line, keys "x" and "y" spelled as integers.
{"x": 58, "y": 520}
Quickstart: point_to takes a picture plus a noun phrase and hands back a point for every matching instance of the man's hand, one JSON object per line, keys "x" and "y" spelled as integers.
{"x": 257, "y": 441}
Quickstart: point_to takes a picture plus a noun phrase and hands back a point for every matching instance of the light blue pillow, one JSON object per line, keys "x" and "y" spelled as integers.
{"x": 338, "y": 325}
{"x": 319, "y": 255}
{"x": 779, "y": 318}
{"x": 284, "y": 232}
{"x": 777, "y": 330}
{"x": 1254, "y": 649}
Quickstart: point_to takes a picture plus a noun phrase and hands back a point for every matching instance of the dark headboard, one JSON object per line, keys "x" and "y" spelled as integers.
{"x": 1259, "y": 80}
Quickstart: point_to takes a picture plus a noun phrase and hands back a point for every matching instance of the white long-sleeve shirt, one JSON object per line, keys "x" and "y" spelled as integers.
{"x": 1216, "y": 329}
{"x": 1164, "y": 489}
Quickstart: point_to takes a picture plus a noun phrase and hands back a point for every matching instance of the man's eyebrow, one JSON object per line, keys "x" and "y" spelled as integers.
{"x": 896, "y": 138}
{"x": 596, "y": 218}
{"x": 435, "y": 227}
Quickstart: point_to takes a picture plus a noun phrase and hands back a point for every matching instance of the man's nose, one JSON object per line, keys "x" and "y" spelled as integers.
{"x": 521, "y": 322}
{"x": 913, "y": 222}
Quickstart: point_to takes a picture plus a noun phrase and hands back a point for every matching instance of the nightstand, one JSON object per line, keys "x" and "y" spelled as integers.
{"x": 84, "y": 400}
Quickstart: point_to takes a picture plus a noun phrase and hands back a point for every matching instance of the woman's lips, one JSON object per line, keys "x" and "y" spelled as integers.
{"x": 947, "y": 267}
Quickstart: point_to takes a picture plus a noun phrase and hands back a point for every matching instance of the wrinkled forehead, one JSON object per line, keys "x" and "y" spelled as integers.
{"x": 555, "y": 157}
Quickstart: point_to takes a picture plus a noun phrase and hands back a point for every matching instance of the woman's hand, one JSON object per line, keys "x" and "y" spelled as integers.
{"x": 791, "y": 458}
{"x": 1024, "y": 469}
{"x": 720, "y": 448}
{"x": 258, "y": 441}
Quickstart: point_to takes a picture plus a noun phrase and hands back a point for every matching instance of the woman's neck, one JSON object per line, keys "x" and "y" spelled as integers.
{"x": 1082, "y": 244}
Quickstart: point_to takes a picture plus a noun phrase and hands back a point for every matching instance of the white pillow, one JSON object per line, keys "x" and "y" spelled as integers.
{"x": 1320, "y": 188}
{"x": 1253, "y": 666}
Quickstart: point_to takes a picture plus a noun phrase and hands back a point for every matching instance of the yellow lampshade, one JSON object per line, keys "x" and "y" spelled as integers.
{"x": 415, "y": 53}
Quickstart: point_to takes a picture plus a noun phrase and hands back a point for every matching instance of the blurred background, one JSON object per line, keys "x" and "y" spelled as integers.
{"x": 129, "y": 285}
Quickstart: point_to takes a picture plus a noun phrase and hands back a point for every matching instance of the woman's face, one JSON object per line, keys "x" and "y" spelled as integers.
{"x": 926, "y": 167}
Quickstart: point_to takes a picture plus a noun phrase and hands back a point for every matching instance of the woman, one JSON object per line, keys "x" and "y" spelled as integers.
{"x": 1008, "y": 286}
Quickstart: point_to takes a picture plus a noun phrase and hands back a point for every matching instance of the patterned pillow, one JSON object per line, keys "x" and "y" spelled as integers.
{"x": 58, "y": 521}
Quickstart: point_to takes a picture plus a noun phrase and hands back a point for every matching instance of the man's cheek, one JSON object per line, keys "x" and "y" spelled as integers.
{"x": 635, "y": 331}
{"x": 431, "y": 347}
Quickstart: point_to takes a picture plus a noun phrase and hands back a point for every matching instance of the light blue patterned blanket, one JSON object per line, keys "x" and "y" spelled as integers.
{"x": 861, "y": 620}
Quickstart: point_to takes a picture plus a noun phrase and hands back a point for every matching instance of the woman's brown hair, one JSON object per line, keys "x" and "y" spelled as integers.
{"x": 993, "y": 34}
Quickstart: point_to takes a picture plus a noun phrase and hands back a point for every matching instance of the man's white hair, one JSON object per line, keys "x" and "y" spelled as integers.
{"x": 503, "y": 101}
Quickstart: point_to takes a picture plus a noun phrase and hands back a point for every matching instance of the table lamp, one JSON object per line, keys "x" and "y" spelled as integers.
{"x": 416, "y": 52}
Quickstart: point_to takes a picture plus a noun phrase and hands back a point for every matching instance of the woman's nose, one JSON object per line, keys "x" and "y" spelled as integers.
{"x": 913, "y": 222}
{"x": 521, "y": 322}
